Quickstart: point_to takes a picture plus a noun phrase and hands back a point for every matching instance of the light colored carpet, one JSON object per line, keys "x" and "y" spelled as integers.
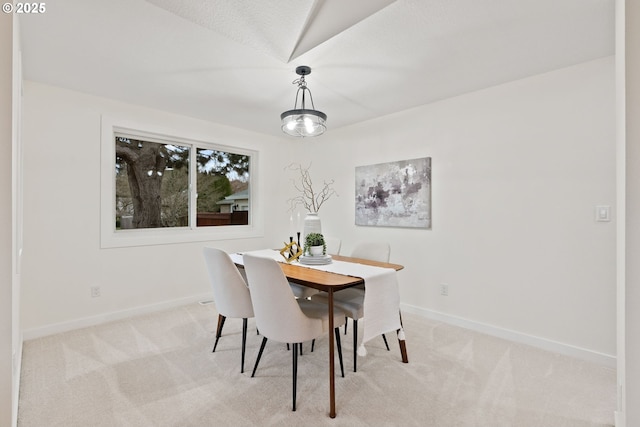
{"x": 158, "y": 370}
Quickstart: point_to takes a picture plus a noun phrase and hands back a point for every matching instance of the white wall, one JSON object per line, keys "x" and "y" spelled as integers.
{"x": 517, "y": 171}
{"x": 16, "y": 222}
{"x": 6, "y": 258}
{"x": 631, "y": 320}
{"x": 62, "y": 255}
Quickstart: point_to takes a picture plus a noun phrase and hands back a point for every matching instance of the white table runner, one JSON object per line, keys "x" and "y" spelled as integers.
{"x": 381, "y": 297}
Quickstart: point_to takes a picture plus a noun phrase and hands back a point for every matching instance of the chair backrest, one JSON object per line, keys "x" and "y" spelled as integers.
{"x": 375, "y": 251}
{"x": 333, "y": 245}
{"x": 230, "y": 291}
{"x": 278, "y": 315}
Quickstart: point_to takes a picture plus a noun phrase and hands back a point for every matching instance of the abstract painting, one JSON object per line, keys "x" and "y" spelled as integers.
{"x": 395, "y": 194}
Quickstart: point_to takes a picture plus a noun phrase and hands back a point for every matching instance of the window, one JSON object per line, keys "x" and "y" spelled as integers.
{"x": 152, "y": 184}
{"x": 223, "y": 188}
{"x": 169, "y": 189}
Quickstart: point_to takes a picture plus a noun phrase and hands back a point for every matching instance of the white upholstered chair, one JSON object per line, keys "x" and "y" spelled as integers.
{"x": 280, "y": 317}
{"x": 333, "y": 245}
{"x": 302, "y": 292}
{"x": 374, "y": 251}
{"x": 351, "y": 300}
{"x": 230, "y": 293}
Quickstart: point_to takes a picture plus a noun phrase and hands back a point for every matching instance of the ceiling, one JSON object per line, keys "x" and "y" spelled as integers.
{"x": 233, "y": 61}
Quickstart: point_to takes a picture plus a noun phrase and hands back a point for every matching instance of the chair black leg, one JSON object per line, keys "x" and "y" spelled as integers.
{"x": 295, "y": 372}
{"x": 385, "y": 342}
{"x": 346, "y": 322}
{"x": 244, "y": 343}
{"x": 221, "y": 320}
{"x": 264, "y": 342}
{"x": 355, "y": 345}
{"x": 300, "y": 346}
{"x": 313, "y": 344}
{"x": 339, "y": 345}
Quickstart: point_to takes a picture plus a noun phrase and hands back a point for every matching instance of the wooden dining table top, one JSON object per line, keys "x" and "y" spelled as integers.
{"x": 322, "y": 280}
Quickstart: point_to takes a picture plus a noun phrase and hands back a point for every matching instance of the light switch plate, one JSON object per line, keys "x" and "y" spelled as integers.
{"x": 603, "y": 213}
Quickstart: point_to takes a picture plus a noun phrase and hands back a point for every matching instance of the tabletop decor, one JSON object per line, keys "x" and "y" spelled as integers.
{"x": 291, "y": 251}
{"x": 394, "y": 194}
{"x": 315, "y": 245}
{"x": 315, "y": 259}
{"x": 309, "y": 197}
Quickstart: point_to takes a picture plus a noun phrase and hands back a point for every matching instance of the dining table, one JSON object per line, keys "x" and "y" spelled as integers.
{"x": 330, "y": 282}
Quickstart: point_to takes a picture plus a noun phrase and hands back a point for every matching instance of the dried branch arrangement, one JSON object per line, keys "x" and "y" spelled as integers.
{"x": 308, "y": 197}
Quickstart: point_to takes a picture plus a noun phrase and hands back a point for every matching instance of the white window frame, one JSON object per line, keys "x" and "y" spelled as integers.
{"x": 112, "y": 238}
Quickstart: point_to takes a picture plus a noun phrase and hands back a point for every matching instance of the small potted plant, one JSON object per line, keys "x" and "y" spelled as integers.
{"x": 315, "y": 245}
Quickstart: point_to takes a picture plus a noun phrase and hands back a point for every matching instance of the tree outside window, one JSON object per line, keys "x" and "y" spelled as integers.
{"x": 153, "y": 182}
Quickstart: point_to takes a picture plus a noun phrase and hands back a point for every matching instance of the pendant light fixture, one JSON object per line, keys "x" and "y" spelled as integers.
{"x": 302, "y": 121}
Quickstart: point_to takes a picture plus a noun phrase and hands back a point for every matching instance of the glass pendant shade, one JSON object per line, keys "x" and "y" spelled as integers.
{"x": 302, "y": 121}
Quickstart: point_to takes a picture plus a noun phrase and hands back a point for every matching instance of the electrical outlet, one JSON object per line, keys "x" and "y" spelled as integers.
{"x": 603, "y": 213}
{"x": 95, "y": 291}
{"x": 444, "y": 289}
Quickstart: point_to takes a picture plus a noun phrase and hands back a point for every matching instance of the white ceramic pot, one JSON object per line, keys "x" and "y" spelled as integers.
{"x": 316, "y": 250}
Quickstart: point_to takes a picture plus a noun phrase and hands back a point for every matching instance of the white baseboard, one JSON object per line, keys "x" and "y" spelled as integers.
{"x": 84, "y": 322}
{"x": 542, "y": 343}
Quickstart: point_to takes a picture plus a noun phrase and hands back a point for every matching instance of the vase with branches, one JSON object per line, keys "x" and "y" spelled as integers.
{"x": 309, "y": 197}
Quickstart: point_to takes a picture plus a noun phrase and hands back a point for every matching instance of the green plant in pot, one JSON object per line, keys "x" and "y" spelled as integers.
{"x": 315, "y": 245}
